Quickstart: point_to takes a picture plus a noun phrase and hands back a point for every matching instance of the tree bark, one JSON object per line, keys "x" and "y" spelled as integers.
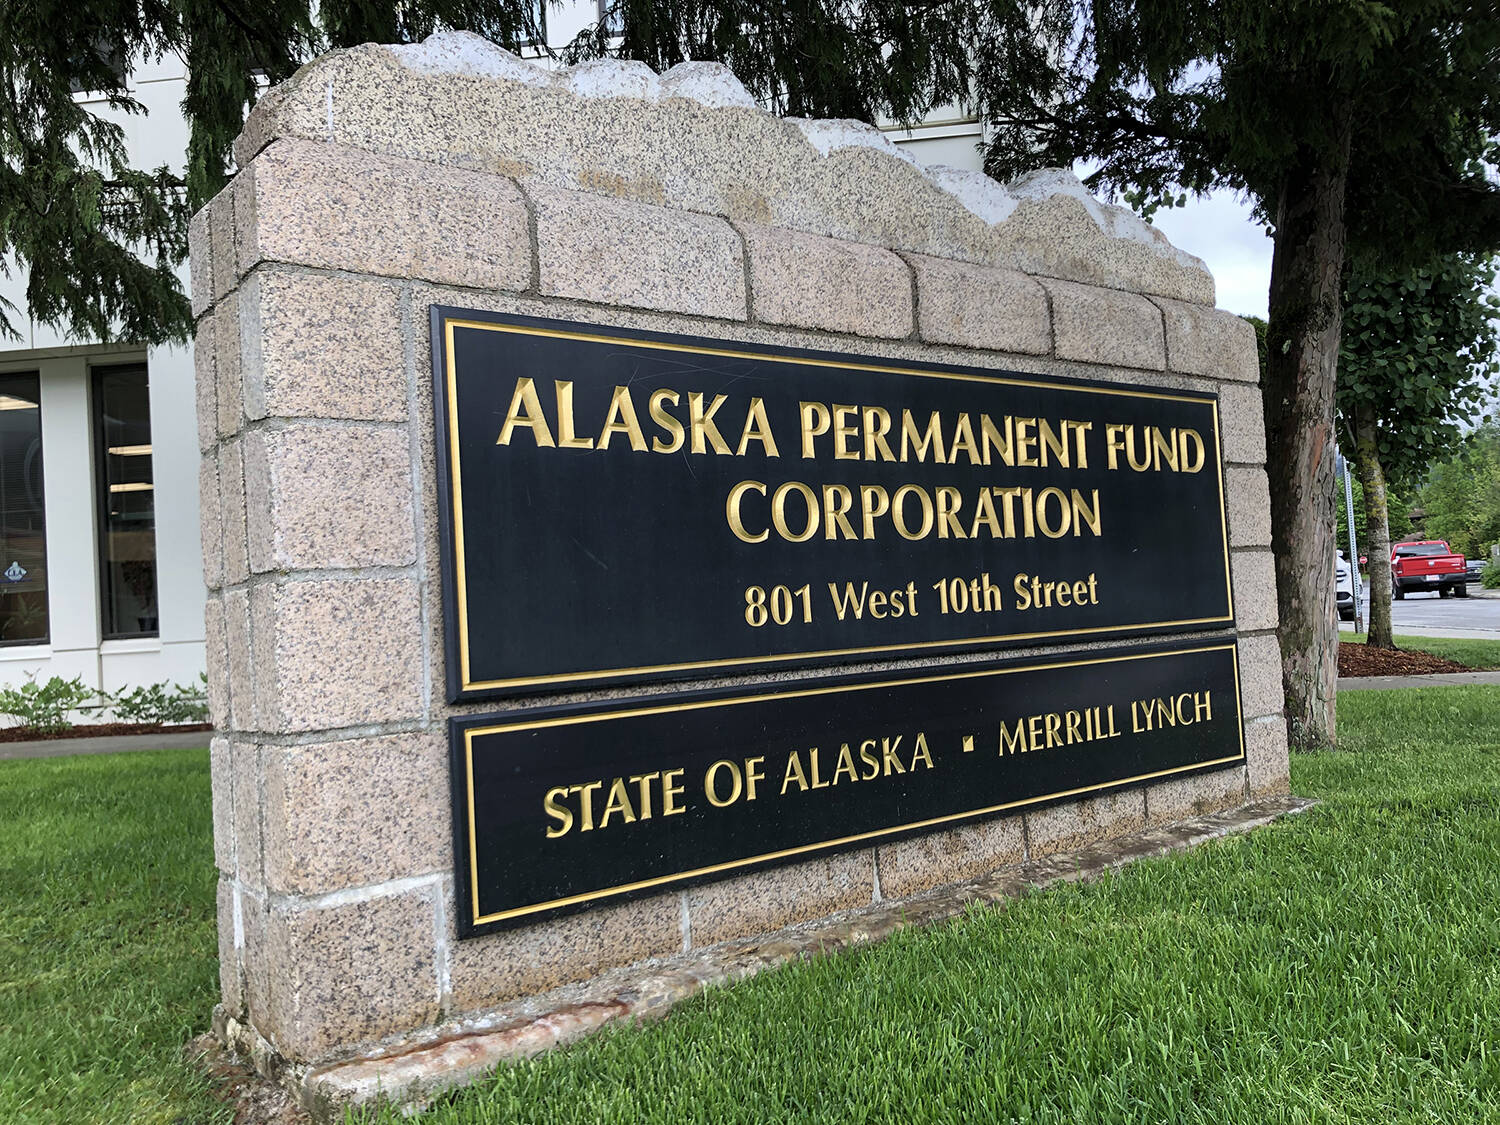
{"x": 1377, "y": 526}
{"x": 1302, "y": 346}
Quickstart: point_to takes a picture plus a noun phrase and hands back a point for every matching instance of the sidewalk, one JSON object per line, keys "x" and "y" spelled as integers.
{"x": 1441, "y": 679}
{"x": 109, "y": 744}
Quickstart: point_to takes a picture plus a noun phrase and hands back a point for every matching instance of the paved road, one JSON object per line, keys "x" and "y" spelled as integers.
{"x": 108, "y": 744}
{"x": 1428, "y": 615}
{"x": 1441, "y": 679}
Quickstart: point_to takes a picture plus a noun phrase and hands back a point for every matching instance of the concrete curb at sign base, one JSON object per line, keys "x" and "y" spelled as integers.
{"x": 416, "y": 1073}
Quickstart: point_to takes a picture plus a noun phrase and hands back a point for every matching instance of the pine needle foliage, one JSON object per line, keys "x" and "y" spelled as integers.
{"x": 99, "y": 240}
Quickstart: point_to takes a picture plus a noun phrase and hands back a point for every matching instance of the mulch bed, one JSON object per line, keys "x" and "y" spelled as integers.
{"x": 1359, "y": 660}
{"x": 99, "y": 730}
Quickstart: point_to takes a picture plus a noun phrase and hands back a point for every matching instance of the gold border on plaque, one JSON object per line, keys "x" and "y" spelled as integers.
{"x": 456, "y": 486}
{"x": 822, "y": 845}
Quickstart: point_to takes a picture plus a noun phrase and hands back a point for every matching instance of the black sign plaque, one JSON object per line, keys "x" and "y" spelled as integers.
{"x": 561, "y": 808}
{"x": 624, "y": 506}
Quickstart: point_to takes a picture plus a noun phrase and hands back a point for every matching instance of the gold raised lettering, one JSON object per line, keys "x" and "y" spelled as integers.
{"x": 670, "y": 792}
{"x": 898, "y": 510}
{"x": 526, "y": 412}
{"x": 757, "y": 428}
{"x": 932, "y": 437}
{"x": 778, "y": 511}
{"x": 815, "y": 421}
{"x": 567, "y": 437}
{"x": 668, "y": 422}
{"x": 621, "y": 419}
{"x": 560, "y": 813}
{"x": 701, "y": 424}
{"x": 735, "y": 516}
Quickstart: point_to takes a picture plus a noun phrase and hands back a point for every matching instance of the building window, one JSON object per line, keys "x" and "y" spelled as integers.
{"x": 23, "y": 522}
{"x": 611, "y": 18}
{"x": 127, "y": 502}
{"x": 105, "y": 60}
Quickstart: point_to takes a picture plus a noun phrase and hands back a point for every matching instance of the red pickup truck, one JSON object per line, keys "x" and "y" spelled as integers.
{"x": 1427, "y": 565}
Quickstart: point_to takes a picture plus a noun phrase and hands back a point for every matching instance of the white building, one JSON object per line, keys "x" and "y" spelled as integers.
{"x": 100, "y": 573}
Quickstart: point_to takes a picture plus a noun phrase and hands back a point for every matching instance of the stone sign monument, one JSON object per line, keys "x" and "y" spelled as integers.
{"x": 636, "y": 524}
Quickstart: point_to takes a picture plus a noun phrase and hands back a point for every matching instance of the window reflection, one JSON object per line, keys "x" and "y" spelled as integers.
{"x": 127, "y": 502}
{"x": 23, "y": 526}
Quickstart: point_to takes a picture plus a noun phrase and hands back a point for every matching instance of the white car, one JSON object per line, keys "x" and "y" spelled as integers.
{"x": 1343, "y": 589}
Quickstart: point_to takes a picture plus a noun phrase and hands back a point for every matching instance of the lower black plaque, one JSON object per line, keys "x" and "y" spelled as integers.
{"x": 561, "y": 808}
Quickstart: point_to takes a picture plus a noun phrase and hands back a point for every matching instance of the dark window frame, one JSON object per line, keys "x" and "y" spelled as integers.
{"x": 101, "y": 502}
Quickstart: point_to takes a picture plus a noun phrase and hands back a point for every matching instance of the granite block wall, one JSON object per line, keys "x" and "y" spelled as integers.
{"x": 379, "y": 182}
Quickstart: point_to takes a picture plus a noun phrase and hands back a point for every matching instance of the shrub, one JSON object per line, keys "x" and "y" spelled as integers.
{"x": 45, "y": 707}
{"x": 1489, "y": 577}
{"x": 161, "y": 703}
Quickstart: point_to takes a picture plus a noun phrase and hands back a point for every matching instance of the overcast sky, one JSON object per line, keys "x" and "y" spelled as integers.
{"x": 1219, "y": 230}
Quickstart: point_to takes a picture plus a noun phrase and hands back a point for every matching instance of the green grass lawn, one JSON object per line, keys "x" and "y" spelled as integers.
{"x": 108, "y": 959}
{"x": 1468, "y": 651}
{"x": 1342, "y": 966}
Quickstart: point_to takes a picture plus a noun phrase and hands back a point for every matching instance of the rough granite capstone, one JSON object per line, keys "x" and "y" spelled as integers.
{"x": 1105, "y": 326}
{"x": 617, "y": 252}
{"x": 809, "y": 281}
{"x": 340, "y": 208}
{"x": 460, "y": 102}
{"x": 980, "y": 307}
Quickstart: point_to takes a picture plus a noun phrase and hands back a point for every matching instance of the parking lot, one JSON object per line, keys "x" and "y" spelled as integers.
{"x": 1426, "y": 614}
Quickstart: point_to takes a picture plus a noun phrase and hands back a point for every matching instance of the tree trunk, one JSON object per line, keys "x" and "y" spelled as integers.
{"x": 1377, "y": 527}
{"x": 1302, "y": 346}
